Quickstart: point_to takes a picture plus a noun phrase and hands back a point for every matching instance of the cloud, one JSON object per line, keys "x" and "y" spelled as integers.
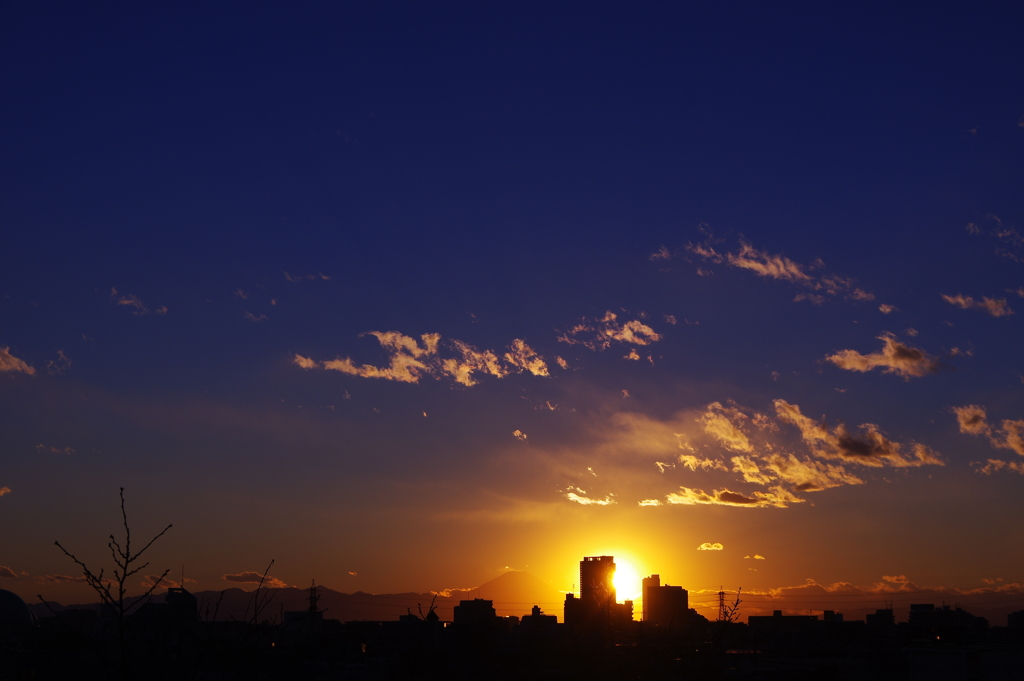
{"x": 8, "y": 572}
{"x": 133, "y": 302}
{"x": 519, "y": 435}
{"x": 721, "y": 423}
{"x": 707, "y": 546}
{"x": 995, "y": 465}
{"x": 255, "y": 318}
{"x": 649, "y": 502}
{"x": 580, "y": 497}
{"x": 524, "y": 358}
{"x": 163, "y": 582}
{"x": 410, "y": 359}
{"x": 894, "y": 358}
{"x": 60, "y": 579}
{"x": 661, "y": 254}
{"x": 806, "y": 476}
{"x": 10, "y": 363}
{"x": 58, "y": 366}
{"x": 319, "y": 276}
{"x": 779, "y": 267}
{"x": 887, "y": 309}
{"x": 870, "y": 449}
{"x": 304, "y": 362}
{"x": 601, "y": 333}
{"x": 996, "y": 307}
{"x": 694, "y": 462}
{"x": 250, "y": 577}
{"x": 776, "y": 497}
{"x": 973, "y": 421}
{"x": 43, "y": 449}
{"x": 4, "y": 490}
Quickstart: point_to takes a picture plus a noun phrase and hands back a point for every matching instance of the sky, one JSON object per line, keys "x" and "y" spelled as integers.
{"x": 404, "y": 295}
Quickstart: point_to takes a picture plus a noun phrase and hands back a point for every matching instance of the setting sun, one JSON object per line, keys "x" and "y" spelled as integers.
{"x": 627, "y": 581}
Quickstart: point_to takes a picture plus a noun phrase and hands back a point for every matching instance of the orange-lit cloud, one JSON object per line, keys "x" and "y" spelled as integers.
{"x": 57, "y": 579}
{"x": 4, "y": 490}
{"x": 776, "y": 497}
{"x": 996, "y": 307}
{"x": 250, "y": 577}
{"x": 8, "y": 572}
{"x": 894, "y": 358}
{"x": 887, "y": 309}
{"x": 779, "y": 267}
{"x": 721, "y": 423}
{"x": 694, "y": 462}
{"x": 708, "y": 546}
{"x": 255, "y": 318}
{"x": 133, "y": 302}
{"x": 411, "y": 359}
{"x": 519, "y": 435}
{"x": 580, "y": 497}
{"x": 870, "y": 449}
{"x": 10, "y": 363}
{"x": 524, "y": 358}
{"x": 972, "y": 420}
{"x": 164, "y": 582}
{"x": 601, "y": 333}
{"x": 649, "y": 502}
{"x": 996, "y": 465}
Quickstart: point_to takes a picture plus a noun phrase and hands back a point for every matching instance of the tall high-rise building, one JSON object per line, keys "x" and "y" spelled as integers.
{"x": 666, "y": 605}
{"x": 597, "y": 581}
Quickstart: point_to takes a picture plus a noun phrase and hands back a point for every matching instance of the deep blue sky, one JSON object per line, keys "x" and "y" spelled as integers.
{"x": 493, "y": 172}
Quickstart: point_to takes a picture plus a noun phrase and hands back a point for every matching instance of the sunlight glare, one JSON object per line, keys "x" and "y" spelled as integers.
{"x": 627, "y": 581}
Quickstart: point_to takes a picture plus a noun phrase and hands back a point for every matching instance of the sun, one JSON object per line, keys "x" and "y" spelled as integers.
{"x": 627, "y": 581}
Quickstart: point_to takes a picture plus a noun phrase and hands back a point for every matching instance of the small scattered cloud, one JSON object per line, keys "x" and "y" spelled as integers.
{"x": 519, "y": 435}
{"x": 779, "y": 267}
{"x": 250, "y": 577}
{"x": 580, "y": 497}
{"x": 996, "y": 307}
{"x": 756, "y": 556}
{"x": 4, "y": 490}
{"x": 410, "y": 359}
{"x": 11, "y": 364}
{"x": 661, "y": 254}
{"x": 62, "y": 579}
{"x": 697, "y": 463}
{"x": 295, "y": 278}
{"x": 888, "y": 309}
{"x": 973, "y": 420}
{"x": 43, "y": 449}
{"x": 133, "y": 303}
{"x": 58, "y": 366}
{"x": 649, "y": 502}
{"x": 256, "y": 318}
{"x": 242, "y": 294}
{"x": 671, "y": 319}
{"x": 1011, "y": 243}
{"x": 8, "y": 572}
{"x": 708, "y": 546}
{"x": 996, "y": 465}
{"x": 599, "y": 334}
{"x": 894, "y": 358}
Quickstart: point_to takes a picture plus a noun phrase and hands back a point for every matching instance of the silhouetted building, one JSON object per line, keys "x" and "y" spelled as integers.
{"x": 1015, "y": 620}
{"x": 664, "y": 605}
{"x": 475, "y": 611}
{"x": 597, "y": 581}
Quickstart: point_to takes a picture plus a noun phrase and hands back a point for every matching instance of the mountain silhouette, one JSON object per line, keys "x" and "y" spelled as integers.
{"x": 516, "y": 591}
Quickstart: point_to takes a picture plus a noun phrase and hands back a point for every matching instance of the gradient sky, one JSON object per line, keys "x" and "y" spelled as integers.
{"x": 403, "y": 294}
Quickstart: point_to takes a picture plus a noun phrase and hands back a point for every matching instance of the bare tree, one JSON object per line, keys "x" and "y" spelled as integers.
{"x": 113, "y": 592}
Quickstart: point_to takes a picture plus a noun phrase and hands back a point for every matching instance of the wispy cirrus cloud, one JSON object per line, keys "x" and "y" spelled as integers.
{"x": 996, "y": 307}
{"x": 820, "y": 284}
{"x": 43, "y": 449}
{"x": 599, "y": 334}
{"x": 8, "y": 572}
{"x": 11, "y": 364}
{"x": 133, "y": 303}
{"x": 1011, "y": 243}
{"x": 871, "y": 448}
{"x": 894, "y": 358}
{"x": 411, "y": 359}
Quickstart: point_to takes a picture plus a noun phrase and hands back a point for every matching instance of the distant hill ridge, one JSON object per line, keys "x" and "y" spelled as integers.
{"x": 513, "y": 593}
